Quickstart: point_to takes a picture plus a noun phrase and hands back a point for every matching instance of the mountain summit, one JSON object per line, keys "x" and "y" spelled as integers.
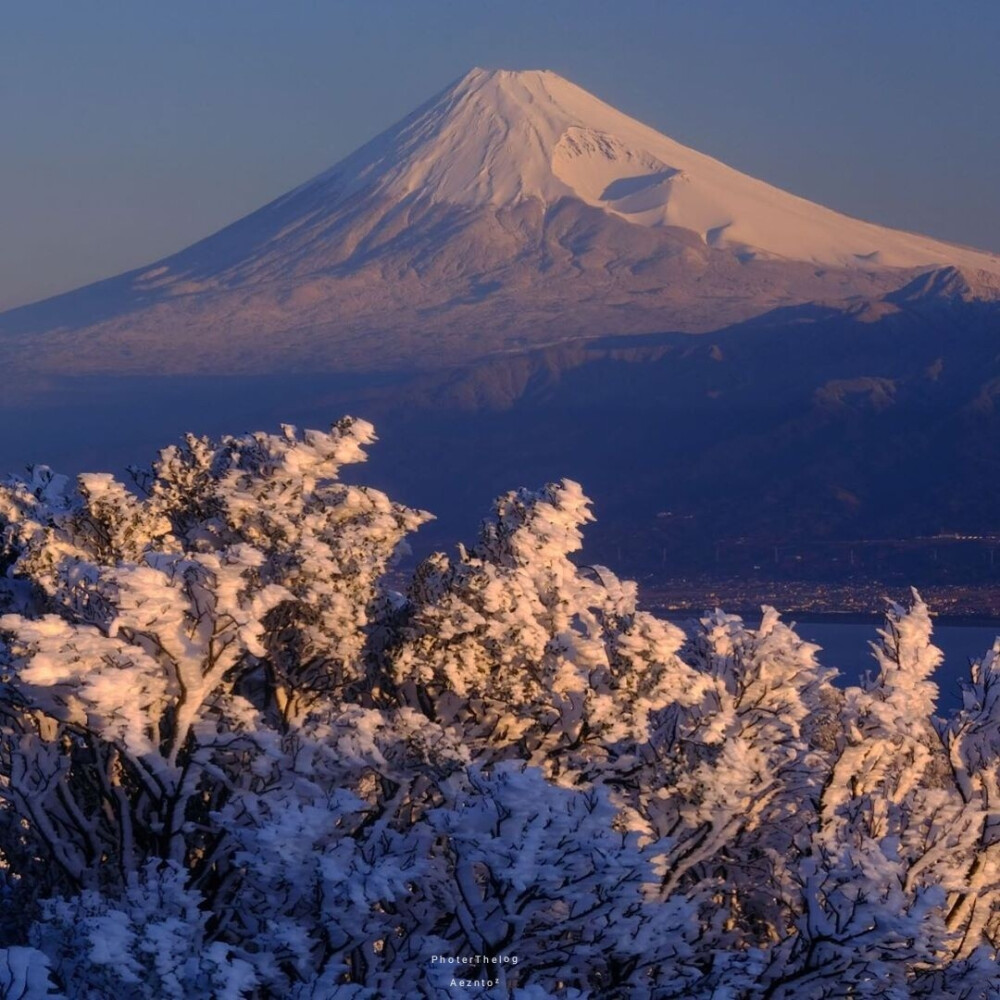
{"x": 500, "y": 138}
{"x": 512, "y": 209}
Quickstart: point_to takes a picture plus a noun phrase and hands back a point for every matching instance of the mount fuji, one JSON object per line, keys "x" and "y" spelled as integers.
{"x": 517, "y": 283}
{"x": 513, "y": 210}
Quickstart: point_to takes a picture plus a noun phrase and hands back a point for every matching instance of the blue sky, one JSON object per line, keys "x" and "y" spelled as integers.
{"x": 130, "y": 129}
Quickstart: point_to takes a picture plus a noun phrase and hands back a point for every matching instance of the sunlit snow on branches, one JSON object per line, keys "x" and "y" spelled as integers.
{"x": 235, "y": 763}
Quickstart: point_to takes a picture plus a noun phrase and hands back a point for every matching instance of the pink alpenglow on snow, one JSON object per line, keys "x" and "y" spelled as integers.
{"x": 513, "y": 209}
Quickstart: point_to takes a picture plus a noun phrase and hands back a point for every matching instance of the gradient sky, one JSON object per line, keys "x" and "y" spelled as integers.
{"x": 129, "y": 129}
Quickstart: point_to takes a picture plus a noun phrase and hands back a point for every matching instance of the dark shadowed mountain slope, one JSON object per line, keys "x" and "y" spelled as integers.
{"x": 798, "y": 433}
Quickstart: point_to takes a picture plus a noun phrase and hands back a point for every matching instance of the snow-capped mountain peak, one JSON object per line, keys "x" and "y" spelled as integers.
{"x": 512, "y": 209}
{"x": 486, "y": 140}
{"x": 497, "y": 138}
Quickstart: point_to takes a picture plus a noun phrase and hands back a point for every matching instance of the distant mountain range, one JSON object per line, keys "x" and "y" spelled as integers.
{"x": 555, "y": 288}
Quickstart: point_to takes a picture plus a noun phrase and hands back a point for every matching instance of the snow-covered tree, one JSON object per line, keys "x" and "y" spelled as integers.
{"x": 150, "y": 941}
{"x": 155, "y": 663}
{"x": 731, "y": 786}
{"x": 900, "y": 820}
{"x": 972, "y": 874}
{"x": 540, "y": 872}
{"x": 235, "y": 763}
{"x": 531, "y": 655}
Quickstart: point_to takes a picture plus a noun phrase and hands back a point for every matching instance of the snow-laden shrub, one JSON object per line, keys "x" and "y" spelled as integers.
{"x": 235, "y": 763}
{"x": 149, "y": 941}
